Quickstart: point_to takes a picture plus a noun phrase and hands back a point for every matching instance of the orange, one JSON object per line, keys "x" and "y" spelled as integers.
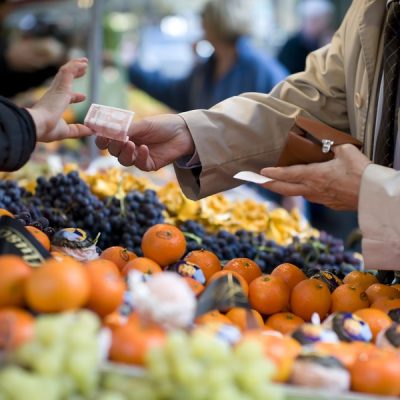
{"x": 360, "y": 278}
{"x": 375, "y": 318}
{"x": 6, "y": 213}
{"x": 376, "y": 373}
{"x": 196, "y": 286}
{"x": 164, "y": 244}
{"x": 245, "y": 319}
{"x": 212, "y": 317}
{"x": 242, "y": 281}
{"x": 386, "y": 304}
{"x": 142, "y": 264}
{"x": 310, "y": 296}
{"x": 114, "y": 320}
{"x": 118, "y": 255}
{"x": 291, "y": 274}
{"x": 57, "y": 286}
{"x": 13, "y": 274}
{"x": 281, "y": 350}
{"x": 132, "y": 342}
{"x": 377, "y": 290}
{"x": 284, "y": 322}
{"x": 349, "y": 298}
{"x": 107, "y": 288}
{"x": 396, "y": 286}
{"x": 206, "y": 260}
{"x": 40, "y": 236}
{"x": 245, "y": 267}
{"x": 16, "y": 327}
{"x": 268, "y": 294}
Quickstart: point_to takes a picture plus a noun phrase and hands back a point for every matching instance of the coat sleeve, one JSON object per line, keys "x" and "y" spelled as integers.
{"x": 379, "y": 217}
{"x": 248, "y": 132}
{"x": 17, "y": 136}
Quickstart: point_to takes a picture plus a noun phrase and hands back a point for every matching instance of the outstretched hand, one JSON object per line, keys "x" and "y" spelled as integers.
{"x": 153, "y": 143}
{"x": 47, "y": 112}
{"x": 335, "y": 184}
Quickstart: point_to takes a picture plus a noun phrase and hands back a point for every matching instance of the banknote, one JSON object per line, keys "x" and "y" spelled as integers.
{"x": 110, "y": 122}
{"x": 252, "y": 177}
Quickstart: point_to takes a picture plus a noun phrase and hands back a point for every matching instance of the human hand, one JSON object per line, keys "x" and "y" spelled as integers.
{"x": 27, "y": 55}
{"x": 47, "y": 113}
{"x": 154, "y": 143}
{"x": 335, "y": 184}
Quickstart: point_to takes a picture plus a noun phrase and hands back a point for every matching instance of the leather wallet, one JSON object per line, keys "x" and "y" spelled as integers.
{"x": 310, "y": 141}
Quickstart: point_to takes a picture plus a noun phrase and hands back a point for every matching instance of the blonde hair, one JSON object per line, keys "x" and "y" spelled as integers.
{"x": 228, "y": 19}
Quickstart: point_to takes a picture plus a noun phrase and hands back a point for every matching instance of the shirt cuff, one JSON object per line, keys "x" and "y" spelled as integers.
{"x": 189, "y": 162}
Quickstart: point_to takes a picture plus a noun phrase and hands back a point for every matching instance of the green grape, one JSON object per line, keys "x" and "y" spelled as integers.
{"x": 50, "y": 362}
{"x": 88, "y": 321}
{"x": 109, "y": 395}
{"x": 29, "y": 352}
{"x": 83, "y": 368}
{"x": 51, "y": 329}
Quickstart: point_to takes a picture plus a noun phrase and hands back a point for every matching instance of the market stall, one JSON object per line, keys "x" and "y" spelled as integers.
{"x": 115, "y": 286}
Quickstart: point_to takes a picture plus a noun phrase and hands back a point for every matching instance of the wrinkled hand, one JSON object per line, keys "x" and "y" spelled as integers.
{"x": 154, "y": 143}
{"x": 335, "y": 184}
{"x": 47, "y": 113}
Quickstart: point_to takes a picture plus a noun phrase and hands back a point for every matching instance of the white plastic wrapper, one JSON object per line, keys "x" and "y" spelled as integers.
{"x": 252, "y": 177}
{"x": 109, "y": 122}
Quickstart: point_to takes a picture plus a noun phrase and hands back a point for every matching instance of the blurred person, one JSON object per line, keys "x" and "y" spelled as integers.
{"x": 20, "y": 128}
{"x": 235, "y": 66}
{"x": 316, "y": 31}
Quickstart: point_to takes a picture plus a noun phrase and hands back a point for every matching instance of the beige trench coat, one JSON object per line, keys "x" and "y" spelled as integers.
{"x": 339, "y": 87}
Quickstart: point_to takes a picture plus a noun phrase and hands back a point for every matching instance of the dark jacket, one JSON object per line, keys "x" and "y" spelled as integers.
{"x": 253, "y": 71}
{"x": 17, "y": 136}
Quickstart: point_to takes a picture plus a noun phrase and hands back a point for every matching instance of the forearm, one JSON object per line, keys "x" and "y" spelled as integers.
{"x": 379, "y": 217}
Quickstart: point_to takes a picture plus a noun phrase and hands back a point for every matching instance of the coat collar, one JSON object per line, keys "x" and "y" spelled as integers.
{"x": 370, "y": 30}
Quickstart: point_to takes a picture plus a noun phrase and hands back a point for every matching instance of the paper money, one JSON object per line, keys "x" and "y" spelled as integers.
{"x": 110, "y": 122}
{"x": 252, "y": 177}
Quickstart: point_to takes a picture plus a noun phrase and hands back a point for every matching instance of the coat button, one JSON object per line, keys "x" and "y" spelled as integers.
{"x": 358, "y": 100}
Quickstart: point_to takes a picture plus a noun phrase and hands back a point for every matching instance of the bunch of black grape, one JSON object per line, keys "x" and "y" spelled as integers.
{"x": 323, "y": 253}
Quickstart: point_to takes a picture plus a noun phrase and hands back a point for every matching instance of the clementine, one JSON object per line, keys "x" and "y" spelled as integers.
{"x": 57, "y": 286}
{"x": 142, "y": 264}
{"x": 164, "y": 244}
{"x": 245, "y": 267}
{"x": 245, "y": 319}
{"x": 243, "y": 283}
{"x": 284, "y": 322}
{"x": 386, "y": 304}
{"x": 360, "y": 278}
{"x": 6, "y": 213}
{"x": 291, "y": 274}
{"x": 40, "y": 236}
{"x": 212, "y": 317}
{"x": 206, "y": 260}
{"x": 377, "y": 290}
{"x": 310, "y": 296}
{"x": 268, "y": 294}
{"x": 13, "y": 274}
{"x": 196, "y": 286}
{"x": 375, "y": 318}
{"x": 16, "y": 327}
{"x": 120, "y": 256}
{"x": 349, "y": 298}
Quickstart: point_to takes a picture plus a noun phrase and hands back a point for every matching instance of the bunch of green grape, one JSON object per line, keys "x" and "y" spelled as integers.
{"x": 201, "y": 367}
{"x": 61, "y": 362}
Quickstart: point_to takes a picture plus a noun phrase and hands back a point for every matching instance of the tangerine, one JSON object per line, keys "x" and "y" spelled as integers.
{"x": 291, "y": 274}
{"x": 211, "y": 317}
{"x": 142, "y": 264}
{"x": 40, "y": 236}
{"x": 16, "y": 327}
{"x": 349, "y": 298}
{"x": 360, "y": 278}
{"x": 13, "y": 274}
{"x": 119, "y": 255}
{"x": 245, "y": 267}
{"x": 107, "y": 288}
{"x": 309, "y": 297}
{"x": 386, "y": 304}
{"x": 164, "y": 244}
{"x": 269, "y": 294}
{"x": 375, "y": 318}
{"x": 377, "y": 290}
{"x": 6, "y": 213}
{"x": 245, "y": 319}
{"x": 206, "y": 260}
{"x": 132, "y": 342}
{"x": 376, "y": 373}
{"x": 284, "y": 322}
{"x": 57, "y": 286}
{"x": 243, "y": 283}
{"x": 196, "y": 286}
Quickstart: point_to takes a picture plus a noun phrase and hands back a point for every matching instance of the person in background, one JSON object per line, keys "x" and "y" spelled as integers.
{"x": 20, "y": 128}
{"x": 316, "y": 31}
{"x": 234, "y": 68}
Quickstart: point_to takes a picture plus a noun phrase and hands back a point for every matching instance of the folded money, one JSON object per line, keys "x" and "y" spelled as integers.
{"x": 109, "y": 122}
{"x": 252, "y": 177}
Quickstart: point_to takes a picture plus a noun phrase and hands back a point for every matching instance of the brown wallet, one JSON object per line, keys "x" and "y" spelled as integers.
{"x": 310, "y": 141}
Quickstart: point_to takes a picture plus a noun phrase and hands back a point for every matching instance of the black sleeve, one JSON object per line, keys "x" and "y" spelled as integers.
{"x": 12, "y": 82}
{"x": 17, "y": 136}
